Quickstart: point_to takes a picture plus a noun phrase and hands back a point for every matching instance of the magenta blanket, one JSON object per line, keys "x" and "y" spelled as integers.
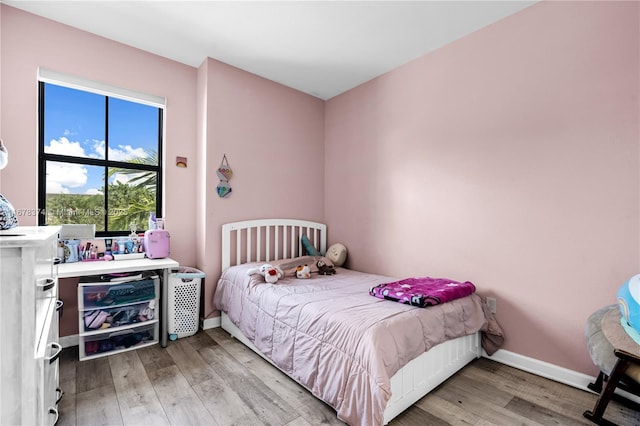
{"x": 423, "y": 292}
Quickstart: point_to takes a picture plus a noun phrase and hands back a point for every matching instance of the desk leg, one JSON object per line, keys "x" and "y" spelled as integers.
{"x": 164, "y": 307}
{"x": 597, "y": 414}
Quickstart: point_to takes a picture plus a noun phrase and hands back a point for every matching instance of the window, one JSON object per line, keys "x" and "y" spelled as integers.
{"x": 100, "y": 158}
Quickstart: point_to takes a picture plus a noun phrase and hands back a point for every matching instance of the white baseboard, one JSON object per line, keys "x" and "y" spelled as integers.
{"x": 549, "y": 371}
{"x": 512, "y": 359}
{"x": 542, "y": 368}
{"x": 210, "y": 323}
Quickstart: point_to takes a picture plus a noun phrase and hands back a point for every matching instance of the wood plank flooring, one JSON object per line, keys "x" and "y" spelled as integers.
{"x": 212, "y": 379}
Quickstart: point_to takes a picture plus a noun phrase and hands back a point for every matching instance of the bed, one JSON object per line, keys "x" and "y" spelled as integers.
{"x": 368, "y": 358}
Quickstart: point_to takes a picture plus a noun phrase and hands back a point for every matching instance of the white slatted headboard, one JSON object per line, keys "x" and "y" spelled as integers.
{"x": 264, "y": 240}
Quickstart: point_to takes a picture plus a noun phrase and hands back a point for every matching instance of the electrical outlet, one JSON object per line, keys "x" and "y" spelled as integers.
{"x": 491, "y": 303}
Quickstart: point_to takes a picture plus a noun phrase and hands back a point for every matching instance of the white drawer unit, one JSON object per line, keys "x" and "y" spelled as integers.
{"x": 117, "y": 314}
{"x": 28, "y": 308}
{"x": 48, "y": 394}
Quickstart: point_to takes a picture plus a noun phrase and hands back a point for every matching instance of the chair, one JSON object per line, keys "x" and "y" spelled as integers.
{"x": 617, "y": 356}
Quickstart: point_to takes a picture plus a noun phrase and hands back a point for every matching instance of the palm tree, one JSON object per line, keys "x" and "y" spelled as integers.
{"x": 137, "y": 197}
{"x": 147, "y": 179}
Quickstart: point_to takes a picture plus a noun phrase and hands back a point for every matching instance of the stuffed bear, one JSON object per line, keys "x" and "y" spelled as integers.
{"x": 270, "y": 273}
{"x": 324, "y": 268}
{"x": 303, "y": 271}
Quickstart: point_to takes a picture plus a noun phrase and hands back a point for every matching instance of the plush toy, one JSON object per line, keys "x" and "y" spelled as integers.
{"x": 324, "y": 269}
{"x": 337, "y": 253}
{"x": 308, "y": 247}
{"x": 270, "y": 273}
{"x": 303, "y": 271}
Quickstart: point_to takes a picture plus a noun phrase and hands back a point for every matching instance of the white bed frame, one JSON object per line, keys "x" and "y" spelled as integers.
{"x": 265, "y": 240}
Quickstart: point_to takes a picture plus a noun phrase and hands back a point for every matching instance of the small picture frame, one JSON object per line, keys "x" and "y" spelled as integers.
{"x": 181, "y": 162}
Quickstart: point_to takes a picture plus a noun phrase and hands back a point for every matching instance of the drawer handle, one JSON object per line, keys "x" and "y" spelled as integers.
{"x": 57, "y": 260}
{"x": 60, "y": 394}
{"x": 54, "y": 411}
{"x": 46, "y": 284}
{"x": 59, "y": 307}
{"x": 53, "y": 358}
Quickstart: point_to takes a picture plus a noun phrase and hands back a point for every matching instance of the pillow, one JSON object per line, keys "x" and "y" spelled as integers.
{"x": 309, "y": 248}
{"x": 337, "y": 253}
{"x": 289, "y": 266}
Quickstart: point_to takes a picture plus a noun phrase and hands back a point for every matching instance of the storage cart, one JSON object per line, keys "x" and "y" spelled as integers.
{"x": 183, "y": 307}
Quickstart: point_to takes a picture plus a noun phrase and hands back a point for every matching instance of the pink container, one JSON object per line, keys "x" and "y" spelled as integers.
{"x": 156, "y": 243}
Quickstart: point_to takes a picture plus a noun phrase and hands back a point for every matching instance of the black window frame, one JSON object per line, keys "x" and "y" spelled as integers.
{"x": 105, "y": 163}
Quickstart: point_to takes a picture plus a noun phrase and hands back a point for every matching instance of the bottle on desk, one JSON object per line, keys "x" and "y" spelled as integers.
{"x": 152, "y": 221}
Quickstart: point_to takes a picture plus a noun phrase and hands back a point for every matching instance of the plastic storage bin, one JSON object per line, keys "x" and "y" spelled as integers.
{"x": 118, "y": 341}
{"x": 183, "y": 305}
{"x": 117, "y": 312}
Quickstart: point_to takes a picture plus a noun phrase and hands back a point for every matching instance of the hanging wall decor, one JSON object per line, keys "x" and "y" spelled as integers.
{"x": 224, "y": 173}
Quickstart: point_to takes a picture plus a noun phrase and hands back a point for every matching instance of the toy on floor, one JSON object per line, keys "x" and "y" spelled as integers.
{"x": 270, "y": 273}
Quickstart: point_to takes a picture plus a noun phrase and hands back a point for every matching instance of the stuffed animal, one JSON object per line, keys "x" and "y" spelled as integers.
{"x": 337, "y": 253}
{"x": 324, "y": 269}
{"x": 270, "y": 273}
{"x": 303, "y": 271}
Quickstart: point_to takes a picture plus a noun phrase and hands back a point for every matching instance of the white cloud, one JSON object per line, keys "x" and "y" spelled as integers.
{"x": 98, "y": 148}
{"x": 56, "y": 188}
{"x": 124, "y": 178}
{"x": 65, "y": 147}
{"x": 126, "y": 153}
{"x": 120, "y": 178}
{"x": 122, "y": 153}
{"x": 62, "y": 176}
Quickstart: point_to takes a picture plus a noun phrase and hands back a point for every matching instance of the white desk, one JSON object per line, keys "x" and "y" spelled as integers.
{"x": 80, "y": 269}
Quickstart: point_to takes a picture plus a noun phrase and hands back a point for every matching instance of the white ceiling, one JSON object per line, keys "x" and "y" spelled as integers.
{"x": 319, "y": 47}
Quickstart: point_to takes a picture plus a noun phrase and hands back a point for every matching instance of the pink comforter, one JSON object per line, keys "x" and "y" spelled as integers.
{"x": 332, "y": 337}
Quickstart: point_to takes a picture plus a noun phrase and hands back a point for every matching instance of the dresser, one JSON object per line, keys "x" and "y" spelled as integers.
{"x": 29, "y": 306}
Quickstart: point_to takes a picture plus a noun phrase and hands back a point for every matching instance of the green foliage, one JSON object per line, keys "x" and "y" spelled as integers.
{"x": 146, "y": 179}
{"x": 76, "y": 209}
{"x": 127, "y": 203}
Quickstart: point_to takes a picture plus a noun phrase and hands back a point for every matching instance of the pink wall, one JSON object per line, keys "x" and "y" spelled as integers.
{"x": 273, "y": 137}
{"x": 29, "y": 42}
{"x": 508, "y": 158}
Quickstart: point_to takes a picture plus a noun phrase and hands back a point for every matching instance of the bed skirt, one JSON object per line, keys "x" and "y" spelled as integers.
{"x": 414, "y": 380}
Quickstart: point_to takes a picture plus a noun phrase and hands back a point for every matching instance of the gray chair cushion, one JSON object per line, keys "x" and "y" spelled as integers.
{"x": 600, "y": 350}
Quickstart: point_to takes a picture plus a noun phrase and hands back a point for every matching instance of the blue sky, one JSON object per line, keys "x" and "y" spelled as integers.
{"x": 75, "y": 125}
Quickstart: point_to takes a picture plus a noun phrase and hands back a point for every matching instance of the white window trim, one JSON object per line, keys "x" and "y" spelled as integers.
{"x": 74, "y": 82}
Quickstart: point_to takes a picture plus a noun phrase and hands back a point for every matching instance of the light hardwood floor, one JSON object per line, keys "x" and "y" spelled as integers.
{"x": 212, "y": 379}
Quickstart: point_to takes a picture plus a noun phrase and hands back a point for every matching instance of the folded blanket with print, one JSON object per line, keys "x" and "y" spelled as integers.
{"x": 423, "y": 292}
